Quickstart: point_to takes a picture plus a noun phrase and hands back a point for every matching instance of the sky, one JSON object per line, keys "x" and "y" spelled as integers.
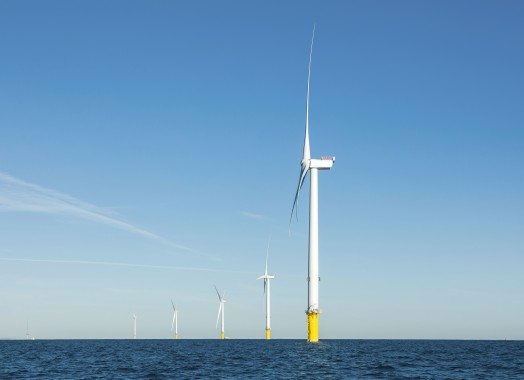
{"x": 150, "y": 149}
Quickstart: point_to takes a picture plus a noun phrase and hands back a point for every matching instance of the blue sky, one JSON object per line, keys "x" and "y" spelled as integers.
{"x": 149, "y": 149}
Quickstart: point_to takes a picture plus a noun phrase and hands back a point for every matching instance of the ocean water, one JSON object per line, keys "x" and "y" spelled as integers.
{"x": 252, "y": 359}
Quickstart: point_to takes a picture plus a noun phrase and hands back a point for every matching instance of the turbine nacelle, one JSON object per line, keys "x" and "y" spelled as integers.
{"x": 266, "y": 276}
{"x": 325, "y": 163}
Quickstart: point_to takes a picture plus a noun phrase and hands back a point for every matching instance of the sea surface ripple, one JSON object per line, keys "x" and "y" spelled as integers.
{"x": 253, "y": 359}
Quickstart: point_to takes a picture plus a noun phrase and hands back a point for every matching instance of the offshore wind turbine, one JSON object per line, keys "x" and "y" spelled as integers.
{"x": 221, "y": 308}
{"x": 134, "y": 326}
{"x": 313, "y": 166}
{"x": 267, "y": 278}
{"x": 175, "y": 320}
{"x": 27, "y": 335}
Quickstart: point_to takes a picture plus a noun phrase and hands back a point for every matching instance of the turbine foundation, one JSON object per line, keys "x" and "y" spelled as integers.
{"x": 268, "y": 334}
{"x": 312, "y": 327}
{"x": 222, "y": 335}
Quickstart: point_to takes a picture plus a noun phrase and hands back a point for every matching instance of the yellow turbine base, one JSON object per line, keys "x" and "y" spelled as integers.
{"x": 222, "y": 335}
{"x": 176, "y": 336}
{"x": 312, "y": 327}
{"x": 268, "y": 334}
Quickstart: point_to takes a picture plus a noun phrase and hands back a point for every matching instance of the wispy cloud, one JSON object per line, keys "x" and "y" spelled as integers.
{"x": 252, "y": 215}
{"x": 20, "y": 196}
{"x": 111, "y": 263}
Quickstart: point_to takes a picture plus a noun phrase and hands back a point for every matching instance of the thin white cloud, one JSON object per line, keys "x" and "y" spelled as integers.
{"x": 111, "y": 263}
{"x": 252, "y": 215}
{"x": 19, "y": 196}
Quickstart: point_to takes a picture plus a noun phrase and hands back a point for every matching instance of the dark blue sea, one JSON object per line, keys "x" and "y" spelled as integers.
{"x": 254, "y": 359}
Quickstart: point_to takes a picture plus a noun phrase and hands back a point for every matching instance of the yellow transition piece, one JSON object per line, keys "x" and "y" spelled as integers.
{"x": 222, "y": 336}
{"x": 268, "y": 334}
{"x": 312, "y": 327}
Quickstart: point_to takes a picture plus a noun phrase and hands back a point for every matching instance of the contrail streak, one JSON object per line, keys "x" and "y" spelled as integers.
{"x": 17, "y": 195}
{"x": 252, "y": 215}
{"x": 110, "y": 263}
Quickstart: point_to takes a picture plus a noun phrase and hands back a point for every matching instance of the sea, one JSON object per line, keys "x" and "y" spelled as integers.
{"x": 261, "y": 359}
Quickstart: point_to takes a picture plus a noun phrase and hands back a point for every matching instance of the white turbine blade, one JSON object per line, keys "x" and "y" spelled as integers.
{"x": 265, "y": 281}
{"x": 307, "y": 155}
{"x": 172, "y": 304}
{"x": 267, "y": 253}
{"x": 173, "y": 323}
{"x": 304, "y": 170}
{"x": 218, "y": 317}
{"x": 218, "y": 293}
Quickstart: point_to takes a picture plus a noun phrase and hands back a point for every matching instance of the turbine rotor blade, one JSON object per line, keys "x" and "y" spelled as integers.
{"x": 265, "y": 281}
{"x": 267, "y": 253}
{"x": 303, "y": 173}
{"x": 173, "y": 323}
{"x": 172, "y": 304}
{"x": 218, "y": 293}
{"x": 307, "y": 154}
{"x": 218, "y": 317}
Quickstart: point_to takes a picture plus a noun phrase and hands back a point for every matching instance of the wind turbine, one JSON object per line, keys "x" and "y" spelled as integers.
{"x": 175, "y": 320}
{"x": 134, "y": 326}
{"x": 267, "y": 278}
{"x": 221, "y": 309}
{"x": 27, "y": 335}
{"x": 311, "y": 165}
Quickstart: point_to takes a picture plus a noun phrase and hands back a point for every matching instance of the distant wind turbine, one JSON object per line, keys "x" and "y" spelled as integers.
{"x": 267, "y": 277}
{"x": 221, "y": 308}
{"x": 27, "y": 335}
{"x": 312, "y": 165}
{"x": 134, "y": 326}
{"x": 175, "y": 320}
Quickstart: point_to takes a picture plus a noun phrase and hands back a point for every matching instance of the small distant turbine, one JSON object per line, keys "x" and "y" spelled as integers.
{"x": 267, "y": 278}
{"x": 175, "y": 320}
{"x": 134, "y": 326}
{"x": 221, "y": 308}
{"x": 312, "y": 165}
{"x": 27, "y": 335}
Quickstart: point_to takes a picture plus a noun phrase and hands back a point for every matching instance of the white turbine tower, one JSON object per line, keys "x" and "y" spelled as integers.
{"x": 175, "y": 320}
{"x": 134, "y": 326}
{"x": 312, "y": 165}
{"x": 267, "y": 290}
{"x": 221, "y": 308}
